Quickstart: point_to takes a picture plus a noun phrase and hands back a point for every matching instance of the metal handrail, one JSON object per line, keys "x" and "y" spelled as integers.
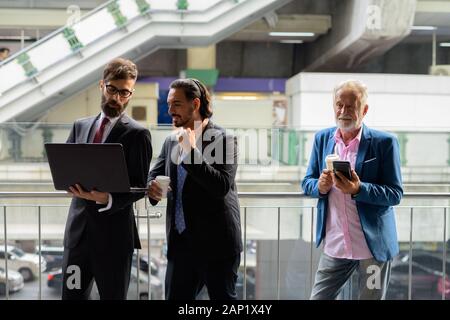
{"x": 247, "y": 195}
{"x": 63, "y": 194}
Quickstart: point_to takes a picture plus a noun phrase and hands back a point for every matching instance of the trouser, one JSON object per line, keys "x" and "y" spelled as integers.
{"x": 333, "y": 273}
{"x": 186, "y": 276}
{"x": 109, "y": 267}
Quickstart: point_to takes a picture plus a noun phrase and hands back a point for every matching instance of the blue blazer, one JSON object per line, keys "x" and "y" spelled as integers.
{"x": 378, "y": 167}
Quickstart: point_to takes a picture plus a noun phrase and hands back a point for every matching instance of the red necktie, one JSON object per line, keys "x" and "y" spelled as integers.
{"x": 99, "y": 134}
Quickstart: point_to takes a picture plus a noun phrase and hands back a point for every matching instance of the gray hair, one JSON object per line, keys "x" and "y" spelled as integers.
{"x": 355, "y": 86}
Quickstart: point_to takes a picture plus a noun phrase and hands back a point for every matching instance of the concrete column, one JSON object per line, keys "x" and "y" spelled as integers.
{"x": 201, "y": 57}
{"x": 143, "y": 106}
{"x": 201, "y": 64}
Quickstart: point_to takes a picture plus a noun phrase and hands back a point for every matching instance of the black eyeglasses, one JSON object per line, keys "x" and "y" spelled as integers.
{"x": 112, "y": 90}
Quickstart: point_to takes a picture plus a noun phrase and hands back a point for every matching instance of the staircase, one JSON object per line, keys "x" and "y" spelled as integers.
{"x": 72, "y": 58}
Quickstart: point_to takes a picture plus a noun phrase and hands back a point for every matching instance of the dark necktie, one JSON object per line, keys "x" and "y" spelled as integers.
{"x": 99, "y": 134}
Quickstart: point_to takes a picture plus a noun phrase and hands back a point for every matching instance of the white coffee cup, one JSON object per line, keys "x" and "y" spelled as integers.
{"x": 164, "y": 182}
{"x": 329, "y": 160}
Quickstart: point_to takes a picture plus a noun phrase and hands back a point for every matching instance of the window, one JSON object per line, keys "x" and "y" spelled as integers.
{"x": 139, "y": 113}
{"x": 18, "y": 252}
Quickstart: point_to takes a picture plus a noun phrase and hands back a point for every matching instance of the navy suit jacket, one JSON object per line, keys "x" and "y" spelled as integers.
{"x": 378, "y": 167}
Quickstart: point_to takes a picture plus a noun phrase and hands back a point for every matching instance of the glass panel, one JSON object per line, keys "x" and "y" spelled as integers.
{"x": 129, "y": 8}
{"x": 49, "y": 52}
{"x": 102, "y": 22}
{"x": 192, "y": 4}
{"x": 202, "y": 4}
{"x": 164, "y": 5}
{"x": 11, "y": 74}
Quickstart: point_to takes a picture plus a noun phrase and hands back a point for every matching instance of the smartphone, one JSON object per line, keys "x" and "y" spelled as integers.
{"x": 344, "y": 168}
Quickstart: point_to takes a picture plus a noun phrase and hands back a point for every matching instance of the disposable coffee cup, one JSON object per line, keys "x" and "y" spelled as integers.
{"x": 329, "y": 160}
{"x": 164, "y": 182}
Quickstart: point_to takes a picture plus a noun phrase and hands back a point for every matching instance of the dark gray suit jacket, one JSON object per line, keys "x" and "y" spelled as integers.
{"x": 114, "y": 229}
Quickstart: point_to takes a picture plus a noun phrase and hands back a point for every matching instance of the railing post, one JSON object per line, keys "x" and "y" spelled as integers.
{"x": 444, "y": 256}
{"x": 410, "y": 254}
{"x": 47, "y": 137}
{"x": 182, "y": 4}
{"x": 403, "y": 140}
{"x": 119, "y": 19}
{"x": 293, "y": 148}
{"x": 143, "y": 6}
{"x": 244, "y": 290}
{"x": 6, "y": 254}
{"x": 278, "y": 255}
{"x": 72, "y": 39}
{"x": 138, "y": 265}
{"x": 28, "y": 67}
{"x": 311, "y": 247}
{"x": 149, "y": 295}
{"x": 40, "y": 254}
{"x": 302, "y": 148}
{"x": 16, "y": 145}
{"x": 448, "y": 145}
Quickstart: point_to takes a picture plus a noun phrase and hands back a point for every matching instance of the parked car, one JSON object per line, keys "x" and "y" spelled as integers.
{"x": 25, "y": 263}
{"x": 55, "y": 281}
{"x": 143, "y": 264}
{"x": 426, "y": 283}
{"x": 15, "y": 281}
{"x": 155, "y": 284}
{"x": 429, "y": 259}
{"x": 53, "y": 256}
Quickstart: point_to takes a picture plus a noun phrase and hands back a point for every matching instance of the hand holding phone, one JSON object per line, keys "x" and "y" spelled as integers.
{"x": 344, "y": 168}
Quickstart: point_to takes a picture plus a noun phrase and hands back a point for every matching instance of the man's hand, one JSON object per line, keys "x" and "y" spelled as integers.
{"x": 100, "y": 197}
{"x": 186, "y": 139}
{"x": 325, "y": 181}
{"x": 345, "y": 185}
{"x": 154, "y": 190}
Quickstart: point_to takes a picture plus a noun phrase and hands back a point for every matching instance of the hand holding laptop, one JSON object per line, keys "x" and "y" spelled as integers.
{"x": 99, "y": 197}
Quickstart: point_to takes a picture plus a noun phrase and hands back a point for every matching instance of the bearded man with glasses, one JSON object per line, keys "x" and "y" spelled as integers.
{"x": 101, "y": 232}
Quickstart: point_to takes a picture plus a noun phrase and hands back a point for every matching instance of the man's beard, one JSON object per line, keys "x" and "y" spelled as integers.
{"x": 111, "y": 108}
{"x": 346, "y": 125}
{"x": 184, "y": 122}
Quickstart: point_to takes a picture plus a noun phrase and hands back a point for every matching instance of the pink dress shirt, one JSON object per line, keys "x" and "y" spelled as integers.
{"x": 344, "y": 236}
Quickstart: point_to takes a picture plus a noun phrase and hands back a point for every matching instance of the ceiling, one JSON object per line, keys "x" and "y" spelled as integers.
{"x": 312, "y": 16}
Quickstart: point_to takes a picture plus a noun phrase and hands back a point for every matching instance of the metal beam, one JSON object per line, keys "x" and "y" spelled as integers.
{"x": 433, "y": 6}
{"x": 34, "y": 18}
{"x": 258, "y": 31}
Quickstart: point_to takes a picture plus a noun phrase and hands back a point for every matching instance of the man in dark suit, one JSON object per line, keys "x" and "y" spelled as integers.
{"x": 203, "y": 219}
{"x": 101, "y": 232}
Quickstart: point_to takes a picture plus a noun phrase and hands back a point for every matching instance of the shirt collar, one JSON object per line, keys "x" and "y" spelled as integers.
{"x": 112, "y": 121}
{"x": 338, "y": 136}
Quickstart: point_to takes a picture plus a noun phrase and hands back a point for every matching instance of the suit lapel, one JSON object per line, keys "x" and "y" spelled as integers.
{"x": 364, "y": 144}
{"x": 174, "y": 149}
{"x": 90, "y": 127}
{"x": 329, "y": 148}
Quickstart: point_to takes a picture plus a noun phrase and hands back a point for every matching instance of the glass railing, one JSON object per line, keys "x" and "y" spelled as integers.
{"x": 421, "y": 152}
{"x": 77, "y": 35}
{"x": 279, "y": 260}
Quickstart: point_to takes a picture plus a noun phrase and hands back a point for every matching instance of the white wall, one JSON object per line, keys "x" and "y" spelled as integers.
{"x": 243, "y": 113}
{"x": 396, "y": 102}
